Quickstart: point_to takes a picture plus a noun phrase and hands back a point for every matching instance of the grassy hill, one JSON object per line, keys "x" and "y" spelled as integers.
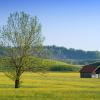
{"x": 51, "y": 65}
{"x": 54, "y": 65}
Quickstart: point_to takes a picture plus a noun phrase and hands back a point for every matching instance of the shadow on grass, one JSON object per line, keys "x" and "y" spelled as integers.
{"x": 12, "y": 86}
{"x": 6, "y": 86}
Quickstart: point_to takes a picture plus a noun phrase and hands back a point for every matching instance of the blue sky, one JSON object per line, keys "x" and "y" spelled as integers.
{"x": 68, "y": 23}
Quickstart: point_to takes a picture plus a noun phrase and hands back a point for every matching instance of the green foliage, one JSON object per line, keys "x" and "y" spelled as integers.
{"x": 64, "y": 68}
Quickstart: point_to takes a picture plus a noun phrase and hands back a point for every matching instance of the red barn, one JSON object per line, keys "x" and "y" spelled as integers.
{"x": 90, "y": 71}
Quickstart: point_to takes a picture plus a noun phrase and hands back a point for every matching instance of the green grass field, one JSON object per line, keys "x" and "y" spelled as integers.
{"x": 52, "y": 86}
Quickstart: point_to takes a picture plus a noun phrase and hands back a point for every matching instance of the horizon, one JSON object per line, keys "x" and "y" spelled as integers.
{"x": 65, "y": 23}
{"x": 73, "y": 48}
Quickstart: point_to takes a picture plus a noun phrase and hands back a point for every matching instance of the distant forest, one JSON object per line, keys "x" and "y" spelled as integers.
{"x": 70, "y": 55}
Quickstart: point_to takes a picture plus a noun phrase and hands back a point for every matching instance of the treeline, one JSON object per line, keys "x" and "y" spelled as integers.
{"x": 70, "y": 55}
{"x": 64, "y": 53}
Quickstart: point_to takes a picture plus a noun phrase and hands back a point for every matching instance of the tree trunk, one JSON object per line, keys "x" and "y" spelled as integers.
{"x": 17, "y": 83}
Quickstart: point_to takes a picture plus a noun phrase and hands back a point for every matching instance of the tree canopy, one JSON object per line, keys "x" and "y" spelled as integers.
{"x": 21, "y": 33}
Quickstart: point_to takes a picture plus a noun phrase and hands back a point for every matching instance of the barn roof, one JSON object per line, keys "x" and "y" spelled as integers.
{"x": 90, "y": 68}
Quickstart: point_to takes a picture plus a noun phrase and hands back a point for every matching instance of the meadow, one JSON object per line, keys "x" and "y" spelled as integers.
{"x": 50, "y": 86}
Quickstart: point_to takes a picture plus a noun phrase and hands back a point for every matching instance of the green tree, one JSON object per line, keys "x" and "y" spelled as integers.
{"x": 20, "y": 35}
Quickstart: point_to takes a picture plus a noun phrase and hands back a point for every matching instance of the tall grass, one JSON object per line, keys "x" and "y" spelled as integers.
{"x": 51, "y": 86}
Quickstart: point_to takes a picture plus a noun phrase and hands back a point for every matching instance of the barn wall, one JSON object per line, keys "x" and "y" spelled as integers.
{"x": 85, "y": 75}
{"x": 99, "y": 75}
{"x": 95, "y": 75}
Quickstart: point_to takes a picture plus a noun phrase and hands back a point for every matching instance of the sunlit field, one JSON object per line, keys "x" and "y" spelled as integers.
{"x": 51, "y": 86}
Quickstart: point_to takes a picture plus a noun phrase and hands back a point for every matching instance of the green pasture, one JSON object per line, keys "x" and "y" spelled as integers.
{"x": 50, "y": 86}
